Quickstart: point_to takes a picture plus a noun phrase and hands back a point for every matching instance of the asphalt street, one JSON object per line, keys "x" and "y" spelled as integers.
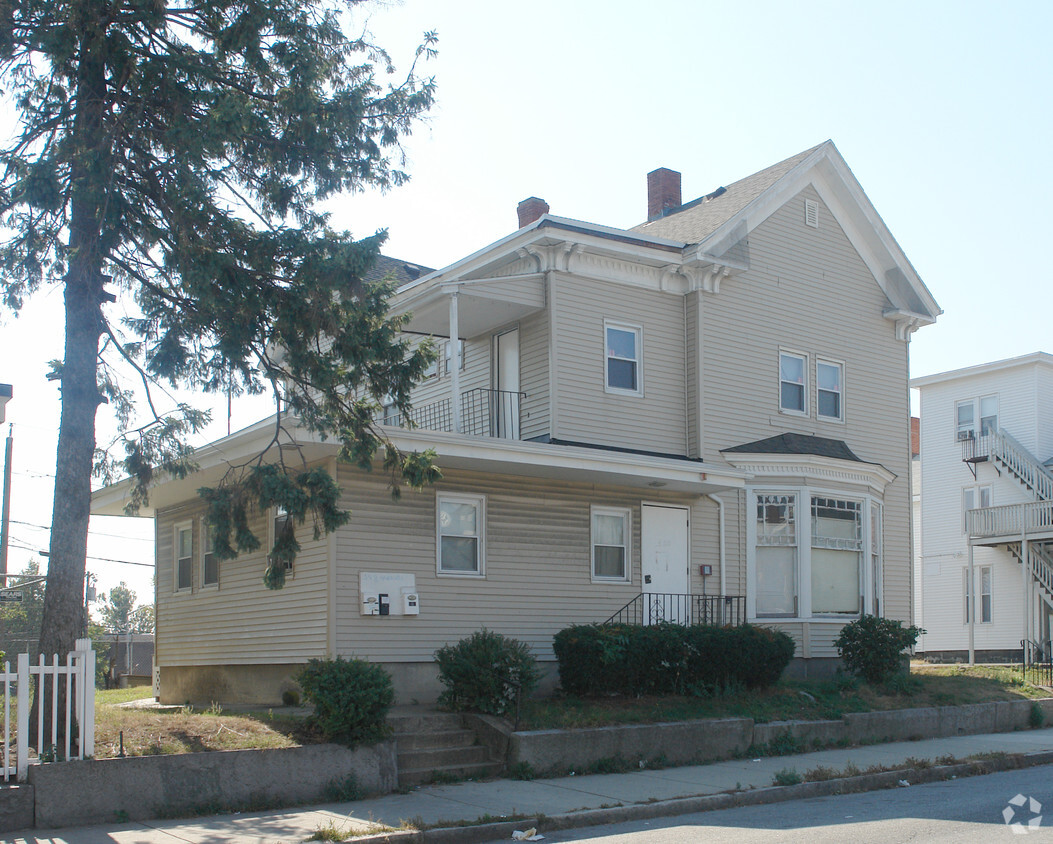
{"x": 964, "y": 810}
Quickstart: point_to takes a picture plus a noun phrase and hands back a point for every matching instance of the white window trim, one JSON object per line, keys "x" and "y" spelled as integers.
{"x": 479, "y": 501}
{"x": 290, "y": 568}
{"x": 966, "y": 596}
{"x": 804, "y": 552}
{"x": 980, "y": 594}
{"x": 955, "y": 424}
{"x": 178, "y": 528}
{"x": 978, "y": 414}
{"x": 976, "y": 490}
{"x": 840, "y": 364}
{"x": 778, "y": 382}
{"x": 627, "y": 516}
{"x": 638, "y": 331}
{"x": 204, "y": 537}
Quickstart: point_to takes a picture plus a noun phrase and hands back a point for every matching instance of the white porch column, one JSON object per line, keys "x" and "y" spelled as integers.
{"x": 455, "y": 360}
{"x": 971, "y": 600}
{"x": 1025, "y": 573}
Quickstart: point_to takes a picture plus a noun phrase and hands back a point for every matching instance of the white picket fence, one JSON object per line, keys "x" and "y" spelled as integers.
{"x": 78, "y": 676}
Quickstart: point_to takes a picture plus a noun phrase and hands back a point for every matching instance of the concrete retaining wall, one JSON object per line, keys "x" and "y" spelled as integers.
{"x": 145, "y": 787}
{"x": 16, "y": 807}
{"x": 696, "y": 741}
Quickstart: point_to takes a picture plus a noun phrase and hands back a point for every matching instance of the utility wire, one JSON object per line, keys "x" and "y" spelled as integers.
{"x": 89, "y": 556}
{"x": 90, "y": 532}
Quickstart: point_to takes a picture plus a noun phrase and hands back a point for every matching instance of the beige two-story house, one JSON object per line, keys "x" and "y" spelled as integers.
{"x": 703, "y": 418}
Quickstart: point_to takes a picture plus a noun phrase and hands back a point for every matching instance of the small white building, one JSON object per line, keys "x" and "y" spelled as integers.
{"x": 986, "y": 492}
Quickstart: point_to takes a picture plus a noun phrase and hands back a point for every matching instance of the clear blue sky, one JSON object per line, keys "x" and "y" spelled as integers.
{"x": 942, "y": 110}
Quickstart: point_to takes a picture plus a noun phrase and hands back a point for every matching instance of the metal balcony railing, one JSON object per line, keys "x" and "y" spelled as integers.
{"x": 658, "y": 607}
{"x": 484, "y": 413}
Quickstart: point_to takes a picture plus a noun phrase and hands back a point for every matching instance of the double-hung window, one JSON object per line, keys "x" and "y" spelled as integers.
{"x": 623, "y": 358}
{"x": 793, "y": 390}
{"x": 837, "y": 555}
{"x": 988, "y": 415}
{"x": 986, "y": 577}
{"x": 184, "y": 556}
{"x": 209, "y": 563}
{"x": 283, "y": 529}
{"x": 610, "y": 543}
{"x": 776, "y": 555}
{"x": 976, "y": 417}
{"x": 460, "y": 534}
{"x": 972, "y": 498}
{"x": 829, "y": 382}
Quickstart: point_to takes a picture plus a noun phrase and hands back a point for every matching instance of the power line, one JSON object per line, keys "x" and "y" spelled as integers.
{"x": 90, "y": 532}
{"x": 88, "y": 557}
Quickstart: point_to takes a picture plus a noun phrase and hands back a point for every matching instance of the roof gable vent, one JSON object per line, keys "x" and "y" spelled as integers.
{"x": 811, "y": 213}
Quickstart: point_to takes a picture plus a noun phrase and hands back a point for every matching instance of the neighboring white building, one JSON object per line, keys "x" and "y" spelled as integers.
{"x": 986, "y": 485}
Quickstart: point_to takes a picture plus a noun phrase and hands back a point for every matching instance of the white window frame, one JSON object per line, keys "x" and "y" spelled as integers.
{"x": 625, "y": 514}
{"x": 975, "y": 492}
{"x": 276, "y": 513}
{"x": 980, "y": 417}
{"x": 967, "y": 594}
{"x": 961, "y": 434}
{"x": 796, "y": 546}
{"x": 869, "y": 579}
{"x": 988, "y": 606}
{"x": 479, "y": 502}
{"x": 840, "y": 366}
{"x": 637, "y": 331}
{"x": 206, "y": 540}
{"x": 860, "y": 549}
{"x": 804, "y": 385}
{"x": 177, "y": 529}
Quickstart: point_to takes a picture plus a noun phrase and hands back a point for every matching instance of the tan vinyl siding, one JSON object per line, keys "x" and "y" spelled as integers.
{"x": 654, "y": 421}
{"x": 533, "y": 372}
{"x": 537, "y": 562}
{"x": 807, "y": 290}
{"x": 693, "y": 372}
{"x": 241, "y": 621}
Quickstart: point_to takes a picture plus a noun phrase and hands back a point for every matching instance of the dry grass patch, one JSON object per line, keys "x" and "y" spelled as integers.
{"x": 153, "y": 732}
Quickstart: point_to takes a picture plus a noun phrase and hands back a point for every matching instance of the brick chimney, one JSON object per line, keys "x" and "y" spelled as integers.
{"x": 530, "y": 210}
{"x": 663, "y": 192}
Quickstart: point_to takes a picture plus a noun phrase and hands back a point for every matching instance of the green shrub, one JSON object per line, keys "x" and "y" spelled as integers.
{"x": 872, "y": 647}
{"x": 661, "y": 659}
{"x": 351, "y": 698}
{"x": 485, "y": 672}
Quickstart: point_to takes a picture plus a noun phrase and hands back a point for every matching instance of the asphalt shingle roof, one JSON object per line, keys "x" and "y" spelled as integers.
{"x": 699, "y": 218}
{"x": 797, "y": 444}
{"x": 402, "y": 271}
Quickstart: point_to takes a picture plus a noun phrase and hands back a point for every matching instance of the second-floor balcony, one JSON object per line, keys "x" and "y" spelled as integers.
{"x": 484, "y": 413}
{"x": 1010, "y": 522}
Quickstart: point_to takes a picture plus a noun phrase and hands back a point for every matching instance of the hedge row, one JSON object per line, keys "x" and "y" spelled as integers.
{"x": 668, "y": 658}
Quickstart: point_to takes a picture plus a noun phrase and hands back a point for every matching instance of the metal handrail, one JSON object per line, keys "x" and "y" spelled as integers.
{"x": 484, "y": 413}
{"x": 678, "y": 608}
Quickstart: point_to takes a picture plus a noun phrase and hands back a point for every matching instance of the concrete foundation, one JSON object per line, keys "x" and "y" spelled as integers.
{"x": 16, "y": 807}
{"x": 999, "y": 657}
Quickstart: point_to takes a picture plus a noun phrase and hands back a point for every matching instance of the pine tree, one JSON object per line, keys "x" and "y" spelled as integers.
{"x": 170, "y": 162}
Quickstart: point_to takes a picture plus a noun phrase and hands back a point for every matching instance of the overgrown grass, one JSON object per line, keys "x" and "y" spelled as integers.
{"x": 790, "y": 700}
{"x": 154, "y": 732}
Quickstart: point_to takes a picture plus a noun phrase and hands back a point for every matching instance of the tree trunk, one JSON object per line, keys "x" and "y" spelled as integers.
{"x": 64, "y": 617}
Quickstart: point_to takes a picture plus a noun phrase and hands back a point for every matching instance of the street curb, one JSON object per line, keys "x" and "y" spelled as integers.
{"x": 502, "y": 831}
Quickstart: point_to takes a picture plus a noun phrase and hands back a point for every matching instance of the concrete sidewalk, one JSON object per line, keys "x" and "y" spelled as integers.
{"x": 470, "y": 801}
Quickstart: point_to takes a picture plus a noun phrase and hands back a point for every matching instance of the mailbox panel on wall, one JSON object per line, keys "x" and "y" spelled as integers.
{"x": 383, "y": 593}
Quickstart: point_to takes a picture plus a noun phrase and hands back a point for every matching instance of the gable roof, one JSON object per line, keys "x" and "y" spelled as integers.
{"x": 694, "y": 220}
{"x": 401, "y": 271}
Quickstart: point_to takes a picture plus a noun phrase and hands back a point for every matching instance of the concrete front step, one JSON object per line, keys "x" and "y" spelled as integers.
{"x": 445, "y": 757}
{"x": 425, "y": 722}
{"x": 436, "y": 739}
{"x": 448, "y": 773}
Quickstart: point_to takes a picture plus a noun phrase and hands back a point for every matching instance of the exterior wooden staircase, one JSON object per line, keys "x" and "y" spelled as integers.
{"x": 439, "y": 747}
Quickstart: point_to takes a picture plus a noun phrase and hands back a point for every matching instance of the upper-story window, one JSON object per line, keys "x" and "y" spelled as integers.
{"x": 442, "y": 364}
{"x": 829, "y": 382}
{"x": 968, "y": 411}
{"x": 793, "y": 390}
{"x": 282, "y": 526}
{"x": 972, "y": 498}
{"x": 624, "y": 355}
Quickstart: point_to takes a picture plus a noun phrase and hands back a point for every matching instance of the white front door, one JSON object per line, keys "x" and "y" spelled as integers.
{"x": 504, "y": 411}
{"x": 663, "y": 548}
